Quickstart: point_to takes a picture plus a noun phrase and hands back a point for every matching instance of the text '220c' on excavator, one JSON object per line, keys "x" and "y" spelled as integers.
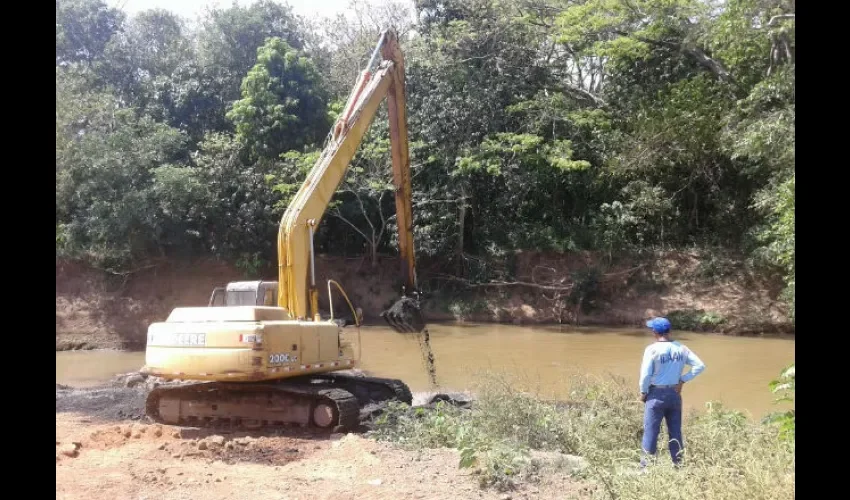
{"x": 267, "y": 358}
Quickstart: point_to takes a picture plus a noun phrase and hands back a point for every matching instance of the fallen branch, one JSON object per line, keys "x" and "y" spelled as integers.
{"x": 626, "y": 271}
{"x": 774, "y": 20}
{"x": 580, "y": 93}
{"x": 503, "y": 283}
{"x": 695, "y": 53}
{"x": 551, "y": 286}
{"x": 124, "y": 273}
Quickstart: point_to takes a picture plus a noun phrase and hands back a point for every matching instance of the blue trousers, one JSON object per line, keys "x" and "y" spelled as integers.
{"x": 666, "y": 404}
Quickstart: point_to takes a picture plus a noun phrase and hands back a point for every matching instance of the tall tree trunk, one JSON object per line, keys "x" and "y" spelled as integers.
{"x": 461, "y": 230}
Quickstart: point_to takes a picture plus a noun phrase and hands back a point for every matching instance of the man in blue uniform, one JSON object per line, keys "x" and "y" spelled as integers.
{"x": 661, "y": 382}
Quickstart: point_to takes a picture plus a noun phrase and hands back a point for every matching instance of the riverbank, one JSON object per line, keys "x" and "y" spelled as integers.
{"x": 96, "y": 309}
{"x": 507, "y": 445}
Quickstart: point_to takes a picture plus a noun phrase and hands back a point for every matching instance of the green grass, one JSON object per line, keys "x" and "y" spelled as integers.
{"x": 727, "y": 455}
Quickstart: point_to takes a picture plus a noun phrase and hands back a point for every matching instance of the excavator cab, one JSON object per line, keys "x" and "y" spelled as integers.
{"x": 245, "y": 293}
{"x": 405, "y": 315}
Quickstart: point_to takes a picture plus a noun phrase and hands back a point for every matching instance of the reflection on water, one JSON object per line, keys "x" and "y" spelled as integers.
{"x": 738, "y": 369}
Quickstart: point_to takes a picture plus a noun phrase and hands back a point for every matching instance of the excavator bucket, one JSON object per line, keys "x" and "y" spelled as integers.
{"x": 405, "y": 316}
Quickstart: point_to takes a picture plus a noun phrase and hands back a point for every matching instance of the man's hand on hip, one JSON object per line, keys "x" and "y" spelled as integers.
{"x": 643, "y": 397}
{"x": 679, "y": 387}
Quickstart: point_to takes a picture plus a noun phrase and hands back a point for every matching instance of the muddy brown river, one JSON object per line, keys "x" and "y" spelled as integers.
{"x": 542, "y": 359}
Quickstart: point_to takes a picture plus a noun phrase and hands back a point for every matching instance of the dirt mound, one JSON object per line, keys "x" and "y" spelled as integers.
{"x": 123, "y": 398}
{"x": 107, "y": 403}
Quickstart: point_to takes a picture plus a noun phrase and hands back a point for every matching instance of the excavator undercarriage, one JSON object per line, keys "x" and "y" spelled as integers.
{"x": 327, "y": 401}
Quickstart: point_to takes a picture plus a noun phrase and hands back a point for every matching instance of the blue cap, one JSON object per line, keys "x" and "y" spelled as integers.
{"x": 659, "y": 325}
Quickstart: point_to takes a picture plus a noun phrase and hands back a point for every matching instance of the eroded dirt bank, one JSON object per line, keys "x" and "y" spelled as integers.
{"x": 97, "y": 309}
{"x": 105, "y": 449}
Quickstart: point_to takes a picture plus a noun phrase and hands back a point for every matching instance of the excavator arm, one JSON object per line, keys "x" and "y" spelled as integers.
{"x": 401, "y": 164}
{"x": 296, "y": 258}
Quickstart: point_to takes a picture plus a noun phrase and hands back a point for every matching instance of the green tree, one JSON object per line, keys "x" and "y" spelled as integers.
{"x": 147, "y": 64}
{"x": 596, "y": 124}
{"x": 241, "y": 216}
{"x": 83, "y": 28}
{"x": 470, "y": 68}
{"x": 283, "y": 106}
{"x": 760, "y": 132}
{"x": 107, "y": 162}
{"x": 227, "y": 43}
{"x": 352, "y": 39}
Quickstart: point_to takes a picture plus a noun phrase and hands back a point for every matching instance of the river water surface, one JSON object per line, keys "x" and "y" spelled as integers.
{"x": 738, "y": 369}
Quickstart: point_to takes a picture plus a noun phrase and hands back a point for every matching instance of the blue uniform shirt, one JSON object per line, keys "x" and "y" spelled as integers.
{"x": 664, "y": 362}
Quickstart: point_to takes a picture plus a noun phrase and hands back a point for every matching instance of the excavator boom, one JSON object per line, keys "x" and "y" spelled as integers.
{"x": 298, "y": 291}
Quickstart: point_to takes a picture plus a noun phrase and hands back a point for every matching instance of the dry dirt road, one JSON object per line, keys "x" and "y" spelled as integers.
{"x": 105, "y": 452}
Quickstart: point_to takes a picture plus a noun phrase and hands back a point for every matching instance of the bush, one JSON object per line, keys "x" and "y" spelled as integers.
{"x": 713, "y": 267}
{"x": 727, "y": 455}
{"x": 785, "y": 386}
{"x": 695, "y": 320}
{"x": 462, "y": 308}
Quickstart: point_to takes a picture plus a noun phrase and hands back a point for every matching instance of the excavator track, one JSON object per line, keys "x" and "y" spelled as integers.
{"x": 369, "y": 389}
{"x": 323, "y": 401}
{"x": 254, "y": 406}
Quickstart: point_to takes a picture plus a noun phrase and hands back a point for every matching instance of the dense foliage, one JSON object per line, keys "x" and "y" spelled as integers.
{"x": 548, "y": 124}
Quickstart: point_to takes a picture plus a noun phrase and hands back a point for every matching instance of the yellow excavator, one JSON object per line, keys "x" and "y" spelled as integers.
{"x": 260, "y": 354}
